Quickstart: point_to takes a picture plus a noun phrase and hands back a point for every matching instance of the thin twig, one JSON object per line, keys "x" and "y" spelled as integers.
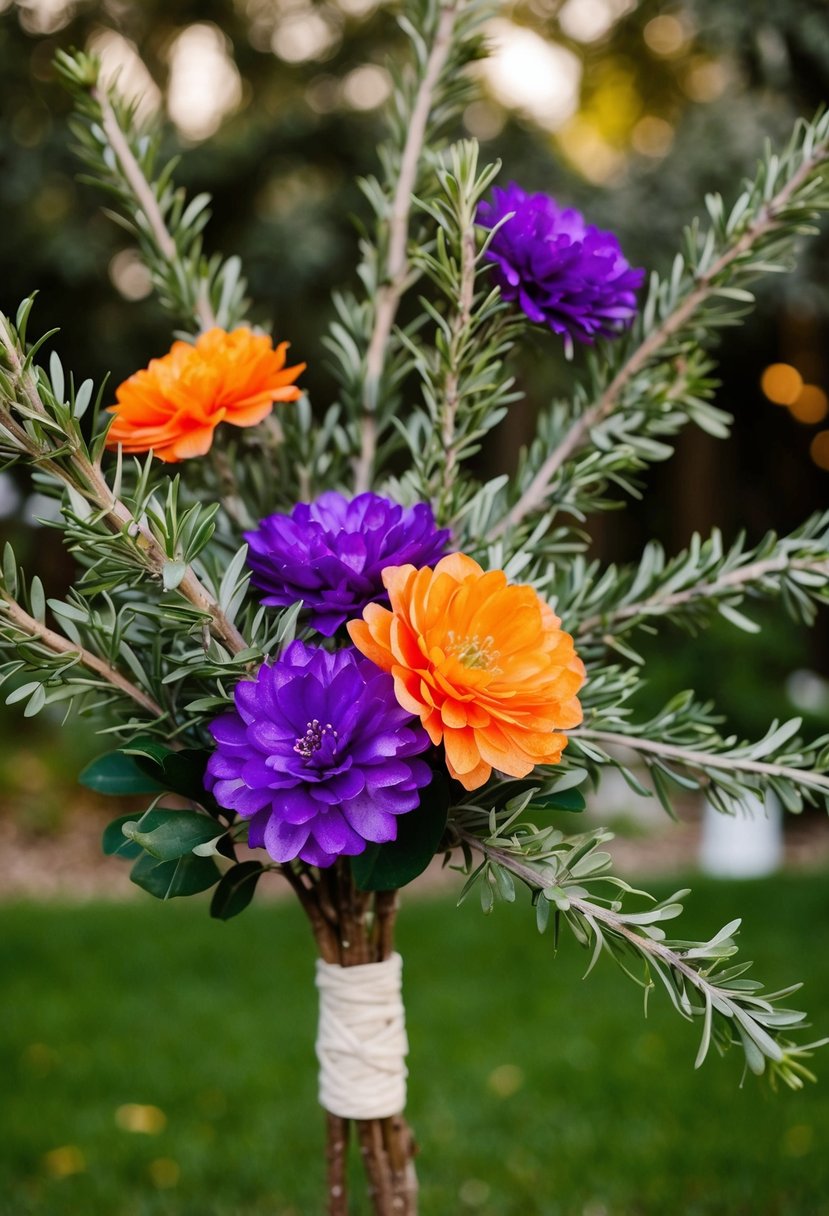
{"x": 595, "y": 912}
{"x": 58, "y": 644}
{"x": 397, "y": 264}
{"x": 401, "y": 1149}
{"x": 309, "y": 897}
{"x": 145, "y": 198}
{"x": 459, "y": 324}
{"x": 660, "y": 604}
{"x": 376, "y": 1167}
{"x": 536, "y": 492}
{"x": 336, "y": 1155}
{"x": 703, "y": 760}
{"x": 385, "y": 914}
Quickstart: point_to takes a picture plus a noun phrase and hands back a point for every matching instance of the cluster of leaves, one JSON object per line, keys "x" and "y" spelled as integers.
{"x": 706, "y": 579}
{"x": 465, "y": 384}
{"x": 372, "y": 357}
{"x": 174, "y": 849}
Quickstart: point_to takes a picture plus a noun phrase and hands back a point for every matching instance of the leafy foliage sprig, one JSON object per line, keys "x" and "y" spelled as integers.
{"x": 200, "y": 291}
{"x": 570, "y": 879}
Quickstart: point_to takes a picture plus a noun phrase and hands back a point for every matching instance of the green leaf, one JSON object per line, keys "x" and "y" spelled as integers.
{"x": 115, "y": 844}
{"x": 235, "y": 889}
{"x": 172, "y": 573}
{"x": 168, "y": 834}
{"x": 167, "y": 879}
{"x": 116, "y": 773}
{"x": 384, "y": 867}
{"x": 559, "y": 800}
{"x": 180, "y": 772}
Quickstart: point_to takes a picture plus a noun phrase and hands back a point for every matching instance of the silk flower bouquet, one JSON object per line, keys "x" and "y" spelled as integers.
{"x": 337, "y": 646}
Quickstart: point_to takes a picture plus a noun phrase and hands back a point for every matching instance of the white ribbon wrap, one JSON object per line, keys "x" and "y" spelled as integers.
{"x": 361, "y": 1039}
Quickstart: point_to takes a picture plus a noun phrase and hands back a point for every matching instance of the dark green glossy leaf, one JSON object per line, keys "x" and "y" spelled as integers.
{"x": 514, "y": 789}
{"x": 168, "y": 834}
{"x": 384, "y": 867}
{"x": 561, "y": 800}
{"x": 235, "y": 889}
{"x": 115, "y": 843}
{"x": 179, "y": 772}
{"x": 148, "y": 748}
{"x": 168, "y": 879}
{"x": 117, "y": 773}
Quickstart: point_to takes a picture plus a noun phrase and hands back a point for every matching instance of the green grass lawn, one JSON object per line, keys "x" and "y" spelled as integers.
{"x": 531, "y": 1094}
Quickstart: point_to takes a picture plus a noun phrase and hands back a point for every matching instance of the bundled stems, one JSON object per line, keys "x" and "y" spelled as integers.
{"x": 352, "y": 928}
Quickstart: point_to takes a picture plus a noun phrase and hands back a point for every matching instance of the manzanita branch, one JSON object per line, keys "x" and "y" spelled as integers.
{"x": 397, "y": 264}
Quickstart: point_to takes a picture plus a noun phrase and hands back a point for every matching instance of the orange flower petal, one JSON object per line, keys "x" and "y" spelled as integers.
{"x": 484, "y": 664}
{"x": 174, "y": 405}
{"x": 461, "y": 749}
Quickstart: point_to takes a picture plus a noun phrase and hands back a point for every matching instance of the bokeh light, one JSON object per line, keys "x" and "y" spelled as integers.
{"x": 129, "y": 275}
{"x": 781, "y": 383}
{"x": 665, "y": 35}
{"x": 652, "y": 136}
{"x": 819, "y": 449}
{"x": 120, "y": 61}
{"x": 204, "y": 81}
{"x": 366, "y": 87}
{"x": 811, "y": 405}
{"x": 305, "y": 34}
{"x": 531, "y": 74}
{"x": 589, "y": 20}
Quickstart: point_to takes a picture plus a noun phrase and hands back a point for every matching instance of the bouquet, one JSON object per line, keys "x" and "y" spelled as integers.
{"x": 324, "y": 648}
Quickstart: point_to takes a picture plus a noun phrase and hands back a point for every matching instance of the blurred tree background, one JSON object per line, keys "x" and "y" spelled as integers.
{"x": 630, "y": 111}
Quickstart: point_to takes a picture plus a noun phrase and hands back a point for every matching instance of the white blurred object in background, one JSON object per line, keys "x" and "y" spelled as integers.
{"x": 745, "y": 845}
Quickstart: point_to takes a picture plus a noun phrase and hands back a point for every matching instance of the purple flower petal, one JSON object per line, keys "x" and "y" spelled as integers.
{"x": 561, "y": 271}
{"x": 331, "y": 554}
{"x": 318, "y": 754}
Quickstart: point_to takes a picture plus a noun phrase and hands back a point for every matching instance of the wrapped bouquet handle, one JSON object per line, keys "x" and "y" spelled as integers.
{"x": 361, "y": 1039}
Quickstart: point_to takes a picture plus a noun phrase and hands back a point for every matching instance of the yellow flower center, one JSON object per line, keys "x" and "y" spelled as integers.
{"x": 473, "y": 651}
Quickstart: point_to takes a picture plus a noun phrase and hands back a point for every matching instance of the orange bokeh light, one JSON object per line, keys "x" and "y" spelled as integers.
{"x": 781, "y": 383}
{"x": 819, "y": 449}
{"x": 811, "y": 406}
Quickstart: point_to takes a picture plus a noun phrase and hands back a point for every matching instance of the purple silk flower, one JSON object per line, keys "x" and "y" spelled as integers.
{"x": 331, "y": 553}
{"x": 318, "y": 755}
{"x": 562, "y": 271}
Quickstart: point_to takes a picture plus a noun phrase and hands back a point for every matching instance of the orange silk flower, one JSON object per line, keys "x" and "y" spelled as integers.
{"x": 484, "y": 664}
{"x": 174, "y": 405}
